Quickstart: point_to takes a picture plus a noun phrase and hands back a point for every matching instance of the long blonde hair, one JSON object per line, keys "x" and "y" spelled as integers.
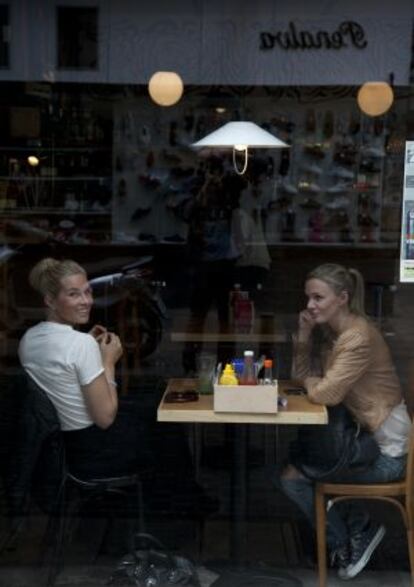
{"x": 340, "y": 279}
{"x": 46, "y": 276}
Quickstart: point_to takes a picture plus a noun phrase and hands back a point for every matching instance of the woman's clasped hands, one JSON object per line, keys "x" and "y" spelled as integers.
{"x": 109, "y": 343}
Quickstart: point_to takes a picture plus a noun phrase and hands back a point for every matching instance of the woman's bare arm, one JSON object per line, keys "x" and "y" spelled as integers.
{"x": 100, "y": 395}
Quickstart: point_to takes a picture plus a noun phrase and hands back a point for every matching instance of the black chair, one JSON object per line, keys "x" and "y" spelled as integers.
{"x": 38, "y": 472}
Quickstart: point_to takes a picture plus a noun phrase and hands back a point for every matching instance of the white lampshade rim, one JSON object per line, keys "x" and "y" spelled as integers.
{"x": 241, "y": 133}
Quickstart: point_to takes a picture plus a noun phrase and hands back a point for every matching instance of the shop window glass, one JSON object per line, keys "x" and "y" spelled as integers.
{"x": 4, "y": 36}
{"x": 77, "y": 44}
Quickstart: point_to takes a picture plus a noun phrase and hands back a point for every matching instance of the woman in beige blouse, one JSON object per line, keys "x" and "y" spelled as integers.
{"x": 350, "y": 364}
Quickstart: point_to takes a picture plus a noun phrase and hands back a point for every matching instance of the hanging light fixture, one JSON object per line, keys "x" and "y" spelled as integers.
{"x": 165, "y": 88}
{"x": 240, "y": 136}
{"x": 375, "y": 98}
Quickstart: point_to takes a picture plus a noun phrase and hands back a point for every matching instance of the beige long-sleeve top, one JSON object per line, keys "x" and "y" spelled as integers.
{"x": 357, "y": 370}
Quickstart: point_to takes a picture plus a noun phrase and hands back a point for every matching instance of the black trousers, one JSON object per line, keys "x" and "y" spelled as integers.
{"x": 134, "y": 442}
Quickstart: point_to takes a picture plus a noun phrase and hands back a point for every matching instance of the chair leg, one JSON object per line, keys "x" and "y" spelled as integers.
{"x": 141, "y": 513}
{"x": 410, "y": 539}
{"x": 200, "y": 537}
{"x": 54, "y": 538}
{"x": 321, "y": 536}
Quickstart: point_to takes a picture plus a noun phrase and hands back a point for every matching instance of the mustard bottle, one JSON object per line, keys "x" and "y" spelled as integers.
{"x": 228, "y": 376}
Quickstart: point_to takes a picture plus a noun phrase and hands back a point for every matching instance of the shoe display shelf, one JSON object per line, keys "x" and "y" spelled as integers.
{"x": 56, "y": 174}
{"x": 339, "y": 182}
{"x": 153, "y": 163}
{"x": 329, "y": 187}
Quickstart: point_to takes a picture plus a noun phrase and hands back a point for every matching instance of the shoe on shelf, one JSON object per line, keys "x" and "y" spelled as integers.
{"x": 363, "y": 545}
{"x": 343, "y": 173}
{"x": 313, "y": 168}
{"x": 317, "y": 150}
{"x": 306, "y": 186}
{"x": 287, "y": 187}
{"x": 338, "y": 203}
{"x": 339, "y": 188}
{"x": 373, "y": 151}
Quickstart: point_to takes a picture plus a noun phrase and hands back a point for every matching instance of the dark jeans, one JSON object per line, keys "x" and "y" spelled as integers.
{"x": 343, "y": 522}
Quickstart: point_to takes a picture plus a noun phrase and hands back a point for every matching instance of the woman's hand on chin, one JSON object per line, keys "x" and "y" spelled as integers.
{"x": 306, "y": 324}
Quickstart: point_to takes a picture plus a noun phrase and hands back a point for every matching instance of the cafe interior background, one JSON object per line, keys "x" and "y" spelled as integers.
{"x": 92, "y": 168}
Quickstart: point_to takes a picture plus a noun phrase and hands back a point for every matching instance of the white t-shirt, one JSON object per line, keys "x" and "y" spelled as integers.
{"x": 393, "y": 434}
{"x": 60, "y": 360}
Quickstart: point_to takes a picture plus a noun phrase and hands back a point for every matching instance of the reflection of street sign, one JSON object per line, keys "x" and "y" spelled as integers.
{"x": 410, "y": 155}
{"x": 407, "y": 219}
{"x": 409, "y": 236}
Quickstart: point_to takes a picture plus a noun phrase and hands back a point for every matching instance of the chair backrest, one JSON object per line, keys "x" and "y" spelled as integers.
{"x": 36, "y": 467}
{"x": 409, "y": 496}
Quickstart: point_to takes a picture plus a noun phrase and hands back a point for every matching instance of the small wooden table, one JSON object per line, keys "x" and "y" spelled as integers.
{"x": 299, "y": 410}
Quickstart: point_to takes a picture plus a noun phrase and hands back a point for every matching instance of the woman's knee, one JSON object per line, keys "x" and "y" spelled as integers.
{"x": 291, "y": 473}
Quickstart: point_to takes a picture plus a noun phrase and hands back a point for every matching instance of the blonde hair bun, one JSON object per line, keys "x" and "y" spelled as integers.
{"x": 47, "y": 274}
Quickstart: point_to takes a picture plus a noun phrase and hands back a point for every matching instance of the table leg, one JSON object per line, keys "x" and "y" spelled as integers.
{"x": 238, "y": 537}
{"x": 242, "y": 574}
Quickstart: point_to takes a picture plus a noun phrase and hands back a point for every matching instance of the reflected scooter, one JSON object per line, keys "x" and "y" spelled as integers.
{"x": 128, "y": 297}
{"x": 132, "y": 298}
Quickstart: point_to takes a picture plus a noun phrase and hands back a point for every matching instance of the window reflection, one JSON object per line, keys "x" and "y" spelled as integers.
{"x": 4, "y": 36}
{"x": 77, "y": 37}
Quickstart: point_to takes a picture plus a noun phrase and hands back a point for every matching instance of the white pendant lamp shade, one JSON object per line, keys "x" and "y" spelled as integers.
{"x": 375, "y": 98}
{"x": 240, "y": 136}
{"x": 165, "y": 88}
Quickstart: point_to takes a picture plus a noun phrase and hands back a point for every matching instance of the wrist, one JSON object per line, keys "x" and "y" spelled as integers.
{"x": 302, "y": 337}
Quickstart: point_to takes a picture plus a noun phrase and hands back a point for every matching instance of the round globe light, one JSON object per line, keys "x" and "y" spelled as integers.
{"x": 375, "y": 98}
{"x": 33, "y": 160}
{"x": 165, "y": 88}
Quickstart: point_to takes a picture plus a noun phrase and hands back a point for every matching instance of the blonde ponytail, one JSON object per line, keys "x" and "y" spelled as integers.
{"x": 340, "y": 279}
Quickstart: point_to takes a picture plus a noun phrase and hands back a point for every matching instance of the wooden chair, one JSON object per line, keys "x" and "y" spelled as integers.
{"x": 398, "y": 493}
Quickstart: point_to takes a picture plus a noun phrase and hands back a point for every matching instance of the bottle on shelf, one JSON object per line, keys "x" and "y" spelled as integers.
{"x": 268, "y": 372}
{"x": 243, "y": 313}
{"x": 248, "y": 376}
{"x": 234, "y": 299}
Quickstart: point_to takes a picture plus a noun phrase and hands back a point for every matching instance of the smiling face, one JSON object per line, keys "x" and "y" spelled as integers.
{"x": 73, "y": 303}
{"x": 324, "y": 305}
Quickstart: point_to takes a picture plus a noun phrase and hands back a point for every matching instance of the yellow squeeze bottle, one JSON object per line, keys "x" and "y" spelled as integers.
{"x": 228, "y": 376}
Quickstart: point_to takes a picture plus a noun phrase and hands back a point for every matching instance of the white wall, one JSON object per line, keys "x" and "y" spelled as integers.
{"x": 217, "y": 41}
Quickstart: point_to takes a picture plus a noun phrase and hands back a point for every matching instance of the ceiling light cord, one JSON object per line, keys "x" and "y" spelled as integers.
{"x": 245, "y": 152}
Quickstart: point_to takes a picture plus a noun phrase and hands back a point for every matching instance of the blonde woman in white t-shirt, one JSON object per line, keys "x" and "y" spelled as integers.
{"x": 103, "y": 436}
{"x": 77, "y": 371}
